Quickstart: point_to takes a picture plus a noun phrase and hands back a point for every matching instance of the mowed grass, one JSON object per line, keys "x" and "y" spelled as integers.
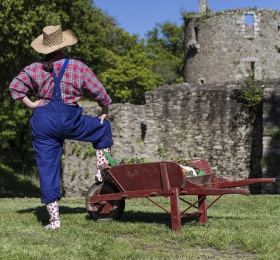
{"x": 239, "y": 227}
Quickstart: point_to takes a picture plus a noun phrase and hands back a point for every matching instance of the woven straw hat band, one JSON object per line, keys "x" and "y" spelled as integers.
{"x": 52, "y": 35}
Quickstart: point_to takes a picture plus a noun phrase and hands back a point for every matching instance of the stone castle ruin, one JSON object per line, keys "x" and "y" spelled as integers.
{"x": 201, "y": 117}
{"x": 225, "y": 46}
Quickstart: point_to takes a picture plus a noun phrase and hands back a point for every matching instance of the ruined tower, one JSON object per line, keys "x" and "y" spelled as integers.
{"x": 225, "y": 46}
{"x": 202, "y": 9}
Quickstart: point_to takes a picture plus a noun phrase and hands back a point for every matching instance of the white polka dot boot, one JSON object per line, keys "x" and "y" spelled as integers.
{"x": 101, "y": 163}
{"x": 53, "y": 211}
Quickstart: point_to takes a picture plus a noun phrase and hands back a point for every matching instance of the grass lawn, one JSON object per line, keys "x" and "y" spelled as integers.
{"x": 239, "y": 227}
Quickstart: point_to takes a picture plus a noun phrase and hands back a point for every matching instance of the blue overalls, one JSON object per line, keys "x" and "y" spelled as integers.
{"x": 51, "y": 125}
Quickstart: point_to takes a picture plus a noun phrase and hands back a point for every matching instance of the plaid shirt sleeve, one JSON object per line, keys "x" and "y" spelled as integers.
{"x": 95, "y": 88}
{"x": 20, "y": 85}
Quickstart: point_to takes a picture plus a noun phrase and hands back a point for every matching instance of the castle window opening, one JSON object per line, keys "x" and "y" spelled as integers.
{"x": 196, "y": 33}
{"x": 249, "y": 24}
{"x": 143, "y": 131}
{"x": 250, "y": 68}
{"x": 249, "y": 19}
{"x": 201, "y": 81}
{"x": 278, "y": 28}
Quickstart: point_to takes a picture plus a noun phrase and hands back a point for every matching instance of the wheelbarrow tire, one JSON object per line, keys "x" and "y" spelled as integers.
{"x": 109, "y": 210}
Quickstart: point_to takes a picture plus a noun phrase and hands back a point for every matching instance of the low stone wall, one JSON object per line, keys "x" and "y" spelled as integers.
{"x": 179, "y": 121}
{"x": 271, "y": 136}
{"x": 79, "y": 162}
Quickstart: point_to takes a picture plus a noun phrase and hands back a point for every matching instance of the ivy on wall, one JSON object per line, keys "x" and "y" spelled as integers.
{"x": 252, "y": 90}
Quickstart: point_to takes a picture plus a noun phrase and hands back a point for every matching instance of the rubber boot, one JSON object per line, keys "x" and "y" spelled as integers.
{"x": 101, "y": 163}
{"x": 53, "y": 211}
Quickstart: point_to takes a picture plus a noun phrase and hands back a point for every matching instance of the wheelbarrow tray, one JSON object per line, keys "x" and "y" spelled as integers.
{"x": 147, "y": 180}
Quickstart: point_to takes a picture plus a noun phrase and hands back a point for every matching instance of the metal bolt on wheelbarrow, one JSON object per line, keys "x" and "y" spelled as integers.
{"x": 105, "y": 201}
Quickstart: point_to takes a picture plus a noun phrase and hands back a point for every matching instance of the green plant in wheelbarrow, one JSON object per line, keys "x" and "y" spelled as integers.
{"x": 189, "y": 170}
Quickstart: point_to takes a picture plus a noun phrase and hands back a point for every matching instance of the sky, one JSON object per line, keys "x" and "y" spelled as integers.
{"x": 140, "y": 16}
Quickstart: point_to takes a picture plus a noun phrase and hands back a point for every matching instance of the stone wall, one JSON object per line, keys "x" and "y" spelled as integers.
{"x": 201, "y": 121}
{"x": 221, "y": 46}
{"x": 181, "y": 121}
{"x": 271, "y": 139}
{"x": 128, "y": 128}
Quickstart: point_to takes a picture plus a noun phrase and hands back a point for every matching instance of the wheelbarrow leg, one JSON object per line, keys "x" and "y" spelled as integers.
{"x": 175, "y": 210}
{"x": 203, "y": 208}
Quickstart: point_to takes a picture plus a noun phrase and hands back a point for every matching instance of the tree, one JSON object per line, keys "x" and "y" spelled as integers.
{"x": 131, "y": 76}
{"x": 165, "y": 44}
{"x": 20, "y": 22}
{"x": 115, "y": 57}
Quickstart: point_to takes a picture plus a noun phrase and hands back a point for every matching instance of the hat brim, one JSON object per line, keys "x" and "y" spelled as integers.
{"x": 69, "y": 39}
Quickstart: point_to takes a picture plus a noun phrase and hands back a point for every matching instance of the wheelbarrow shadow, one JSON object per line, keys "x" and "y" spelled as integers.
{"x": 153, "y": 217}
{"x": 165, "y": 219}
{"x": 42, "y": 215}
{"x": 129, "y": 216}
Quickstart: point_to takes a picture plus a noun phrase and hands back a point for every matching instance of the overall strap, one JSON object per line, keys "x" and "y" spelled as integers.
{"x": 56, "y": 94}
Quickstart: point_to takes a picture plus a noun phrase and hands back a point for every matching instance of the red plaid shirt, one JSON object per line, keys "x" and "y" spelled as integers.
{"x": 77, "y": 77}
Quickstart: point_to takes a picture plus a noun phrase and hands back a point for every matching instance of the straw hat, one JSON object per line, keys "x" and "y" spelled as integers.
{"x": 53, "y": 39}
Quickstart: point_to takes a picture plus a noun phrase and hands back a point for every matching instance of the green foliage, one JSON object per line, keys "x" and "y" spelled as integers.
{"x": 188, "y": 15}
{"x": 78, "y": 150}
{"x": 182, "y": 161}
{"x": 89, "y": 152}
{"x": 263, "y": 163}
{"x": 62, "y": 160}
{"x": 73, "y": 148}
{"x": 125, "y": 65}
{"x": 16, "y": 185}
{"x": 73, "y": 174}
{"x": 160, "y": 151}
{"x": 252, "y": 90}
{"x": 272, "y": 160}
{"x": 86, "y": 174}
{"x": 139, "y": 141}
{"x": 275, "y": 133}
{"x": 131, "y": 76}
{"x": 165, "y": 45}
{"x": 208, "y": 11}
{"x": 20, "y": 22}
{"x": 135, "y": 160}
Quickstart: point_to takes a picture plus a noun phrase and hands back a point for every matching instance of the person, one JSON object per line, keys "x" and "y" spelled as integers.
{"x": 58, "y": 84}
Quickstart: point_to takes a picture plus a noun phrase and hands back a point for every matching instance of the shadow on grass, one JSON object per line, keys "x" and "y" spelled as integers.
{"x": 152, "y": 217}
{"x": 128, "y": 216}
{"x": 42, "y": 215}
{"x": 165, "y": 218}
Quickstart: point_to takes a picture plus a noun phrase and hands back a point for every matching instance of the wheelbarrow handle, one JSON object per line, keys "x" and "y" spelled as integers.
{"x": 239, "y": 183}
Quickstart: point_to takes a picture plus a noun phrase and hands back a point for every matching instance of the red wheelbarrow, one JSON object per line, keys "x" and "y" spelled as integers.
{"x": 105, "y": 201}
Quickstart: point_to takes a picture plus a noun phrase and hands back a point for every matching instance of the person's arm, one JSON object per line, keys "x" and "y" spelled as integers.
{"x": 30, "y": 104}
{"x": 104, "y": 113}
{"x": 97, "y": 91}
{"x": 19, "y": 87}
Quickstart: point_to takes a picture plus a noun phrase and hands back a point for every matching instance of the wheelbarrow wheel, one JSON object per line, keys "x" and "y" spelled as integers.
{"x": 104, "y": 210}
